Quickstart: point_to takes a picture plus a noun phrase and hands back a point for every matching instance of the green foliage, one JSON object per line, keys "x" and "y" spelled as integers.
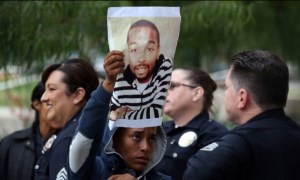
{"x": 32, "y": 32}
{"x": 209, "y": 29}
{"x": 18, "y": 96}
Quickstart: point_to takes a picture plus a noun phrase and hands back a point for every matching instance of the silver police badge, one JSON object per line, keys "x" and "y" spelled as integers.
{"x": 49, "y": 143}
{"x": 187, "y": 139}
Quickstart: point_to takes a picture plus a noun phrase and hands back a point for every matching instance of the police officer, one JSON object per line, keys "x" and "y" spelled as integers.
{"x": 20, "y": 150}
{"x": 266, "y": 142}
{"x": 188, "y": 103}
{"x": 68, "y": 87}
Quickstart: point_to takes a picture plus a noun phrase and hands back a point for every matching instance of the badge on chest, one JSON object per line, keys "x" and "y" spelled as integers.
{"x": 187, "y": 139}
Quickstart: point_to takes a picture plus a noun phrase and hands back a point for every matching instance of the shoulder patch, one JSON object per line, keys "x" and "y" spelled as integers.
{"x": 210, "y": 147}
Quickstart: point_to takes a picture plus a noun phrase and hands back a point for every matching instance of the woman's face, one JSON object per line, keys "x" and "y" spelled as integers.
{"x": 60, "y": 105}
{"x": 179, "y": 98}
{"x": 136, "y": 146}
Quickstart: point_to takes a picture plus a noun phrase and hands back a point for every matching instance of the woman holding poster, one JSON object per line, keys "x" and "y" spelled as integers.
{"x": 131, "y": 153}
{"x": 133, "y": 148}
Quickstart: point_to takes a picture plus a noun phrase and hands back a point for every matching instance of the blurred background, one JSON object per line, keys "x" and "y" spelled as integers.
{"x": 34, "y": 34}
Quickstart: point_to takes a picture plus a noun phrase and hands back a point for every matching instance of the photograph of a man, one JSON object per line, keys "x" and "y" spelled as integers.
{"x": 147, "y": 38}
{"x": 142, "y": 89}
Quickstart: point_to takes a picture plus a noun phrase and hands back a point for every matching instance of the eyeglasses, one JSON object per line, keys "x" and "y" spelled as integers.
{"x": 174, "y": 85}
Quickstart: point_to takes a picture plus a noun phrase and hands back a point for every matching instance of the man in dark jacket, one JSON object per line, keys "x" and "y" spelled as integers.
{"x": 266, "y": 143}
{"x": 20, "y": 150}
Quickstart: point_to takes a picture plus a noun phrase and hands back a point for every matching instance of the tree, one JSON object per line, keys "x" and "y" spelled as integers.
{"x": 32, "y": 32}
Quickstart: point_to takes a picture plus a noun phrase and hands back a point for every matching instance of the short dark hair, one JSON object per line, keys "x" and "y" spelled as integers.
{"x": 36, "y": 95}
{"x": 201, "y": 78}
{"x": 264, "y": 75}
{"x": 37, "y": 92}
{"x": 77, "y": 73}
{"x": 145, "y": 23}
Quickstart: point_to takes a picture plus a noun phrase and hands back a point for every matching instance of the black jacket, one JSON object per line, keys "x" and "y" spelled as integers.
{"x": 266, "y": 147}
{"x": 17, "y": 155}
{"x": 52, "y": 163}
{"x": 185, "y": 141}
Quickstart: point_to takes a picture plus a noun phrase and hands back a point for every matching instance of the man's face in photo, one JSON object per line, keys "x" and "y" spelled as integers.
{"x": 143, "y": 47}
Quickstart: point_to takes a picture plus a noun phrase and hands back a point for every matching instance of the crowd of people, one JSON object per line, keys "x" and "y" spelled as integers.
{"x": 70, "y": 137}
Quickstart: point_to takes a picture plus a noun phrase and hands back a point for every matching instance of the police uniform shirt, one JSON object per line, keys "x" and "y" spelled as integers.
{"x": 184, "y": 141}
{"x": 54, "y": 157}
{"x": 266, "y": 147}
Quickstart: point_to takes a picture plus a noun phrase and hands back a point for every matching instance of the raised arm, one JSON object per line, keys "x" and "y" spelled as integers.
{"x": 93, "y": 121}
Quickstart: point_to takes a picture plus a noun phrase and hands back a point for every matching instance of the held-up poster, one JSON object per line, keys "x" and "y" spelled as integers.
{"x": 148, "y": 38}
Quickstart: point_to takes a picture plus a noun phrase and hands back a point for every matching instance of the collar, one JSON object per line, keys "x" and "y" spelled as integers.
{"x": 27, "y": 133}
{"x": 262, "y": 120}
{"x": 195, "y": 123}
{"x": 267, "y": 114}
{"x": 140, "y": 86}
{"x": 74, "y": 118}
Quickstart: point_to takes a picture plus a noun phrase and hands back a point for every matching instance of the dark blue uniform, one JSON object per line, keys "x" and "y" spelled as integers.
{"x": 184, "y": 141}
{"x": 52, "y": 163}
{"x": 266, "y": 147}
{"x": 18, "y": 153}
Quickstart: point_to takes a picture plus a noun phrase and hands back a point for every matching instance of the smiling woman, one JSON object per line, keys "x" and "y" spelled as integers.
{"x": 68, "y": 87}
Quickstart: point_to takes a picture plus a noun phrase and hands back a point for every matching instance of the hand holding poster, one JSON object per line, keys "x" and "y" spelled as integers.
{"x": 148, "y": 37}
